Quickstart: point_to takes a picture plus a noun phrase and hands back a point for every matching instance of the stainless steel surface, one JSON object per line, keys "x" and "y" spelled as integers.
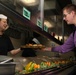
{"x": 66, "y": 71}
{"x": 7, "y": 69}
{"x": 5, "y": 61}
{"x": 3, "y": 58}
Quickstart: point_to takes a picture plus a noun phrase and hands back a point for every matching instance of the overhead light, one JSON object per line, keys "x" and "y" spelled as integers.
{"x": 29, "y": 2}
{"x": 60, "y": 37}
{"x": 48, "y": 24}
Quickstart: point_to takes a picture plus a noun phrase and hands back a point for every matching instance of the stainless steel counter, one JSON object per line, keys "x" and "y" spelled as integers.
{"x": 66, "y": 71}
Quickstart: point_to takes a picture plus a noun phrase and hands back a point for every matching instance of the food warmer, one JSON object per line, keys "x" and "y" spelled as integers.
{"x": 41, "y": 65}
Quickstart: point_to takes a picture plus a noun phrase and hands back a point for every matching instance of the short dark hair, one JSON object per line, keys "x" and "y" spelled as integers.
{"x": 70, "y": 7}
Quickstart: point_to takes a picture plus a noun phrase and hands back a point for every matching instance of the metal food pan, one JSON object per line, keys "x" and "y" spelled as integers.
{"x": 7, "y": 69}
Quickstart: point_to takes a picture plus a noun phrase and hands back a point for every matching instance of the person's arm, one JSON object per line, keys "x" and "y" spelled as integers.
{"x": 11, "y": 47}
{"x": 67, "y": 46}
{"x": 47, "y": 49}
{"x": 15, "y": 51}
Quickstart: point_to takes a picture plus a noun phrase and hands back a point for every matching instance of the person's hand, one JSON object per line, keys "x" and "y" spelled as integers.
{"x": 47, "y": 49}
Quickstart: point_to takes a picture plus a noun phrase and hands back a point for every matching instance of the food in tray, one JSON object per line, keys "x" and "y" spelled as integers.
{"x": 33, "y": 66}
{"x": 38, "y": 45}
{"x": 33, "y": 46}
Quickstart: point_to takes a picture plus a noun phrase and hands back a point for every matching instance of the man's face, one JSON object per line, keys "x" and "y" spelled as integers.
{"x": 3, "y": 24}
{"x": 68, "y": 16}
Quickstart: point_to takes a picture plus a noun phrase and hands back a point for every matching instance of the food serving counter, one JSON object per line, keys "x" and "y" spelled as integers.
{"x": 42, "y": 66}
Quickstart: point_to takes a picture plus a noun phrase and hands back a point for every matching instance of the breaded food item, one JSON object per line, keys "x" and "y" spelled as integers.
{"x": 39, "y": 45}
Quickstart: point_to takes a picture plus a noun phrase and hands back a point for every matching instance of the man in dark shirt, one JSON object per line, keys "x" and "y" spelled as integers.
{"x": 5, "y": 45}
{"x": 5, "y": 42}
